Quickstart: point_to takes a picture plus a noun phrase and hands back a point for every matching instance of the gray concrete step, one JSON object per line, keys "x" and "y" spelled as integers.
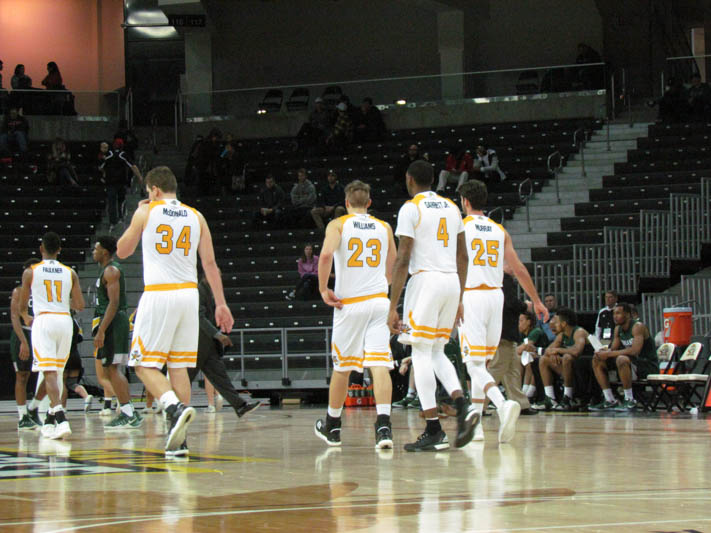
{"x": 598, "y": 158}
{"x": 598, "y": 143}
{"x": 549, "y": 197}
{"x": 519, "y": 225}
{"x": 554, "y": 212}
{"x": 529, "y": 240}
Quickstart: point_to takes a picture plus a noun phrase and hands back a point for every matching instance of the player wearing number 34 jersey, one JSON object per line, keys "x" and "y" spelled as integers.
{"x": 167, "y": 323}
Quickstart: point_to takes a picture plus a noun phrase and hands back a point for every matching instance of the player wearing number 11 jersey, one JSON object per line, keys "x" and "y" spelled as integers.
{"x": 167, "y": 324}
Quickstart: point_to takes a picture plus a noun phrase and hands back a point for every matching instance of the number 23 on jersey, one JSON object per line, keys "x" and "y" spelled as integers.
{"x": 356, "y": 246}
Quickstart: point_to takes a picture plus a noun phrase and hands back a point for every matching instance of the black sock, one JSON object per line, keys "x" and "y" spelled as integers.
{"x": 460, "y": 403}
{"x": 107, "y": 404}
{"x": 59, "y": 417}
{"x": 433, "y": 427}
{"x": 332, "y": 422}
{"x": 382, "y": 420}
{"x": 49, "y": 419}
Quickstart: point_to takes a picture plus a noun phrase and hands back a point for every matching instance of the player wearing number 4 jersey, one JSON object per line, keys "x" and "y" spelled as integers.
{"x": 363, "y": 249}
{"x": 55, "y": 290}
{"x": 432, "y": 247}
{"x": 490, "y": 249}
{"x": 167, "y": 324}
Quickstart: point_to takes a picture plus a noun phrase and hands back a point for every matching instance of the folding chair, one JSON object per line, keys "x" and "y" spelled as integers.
{"x": 298, "y": 100}
{"x": 272, "y": 100}
{"x": 690, "y": 383}
{"x": 658, "y": 382}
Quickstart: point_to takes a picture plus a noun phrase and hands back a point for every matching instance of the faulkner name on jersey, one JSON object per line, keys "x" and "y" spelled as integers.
{"x": 52, "y": 270}
{"x": 175, "y": 212}
{"x": 364, "y": 225}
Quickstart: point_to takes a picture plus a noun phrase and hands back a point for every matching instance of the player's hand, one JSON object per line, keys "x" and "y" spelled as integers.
{"x": 329, "y": 298}
{"x": 225, "y": 340}
{"x": 394, "y": 322}
{"x": 223, "y": 318}
{"x": 460, "y": 315}
{"x": 99, "y": 339}
{"x": 27, "y": 319}
{"x": 541, "y": 311}
{"x": 24, "y": 351}
{"x": 602, "y": 355}
{"x": 557, "y": 359}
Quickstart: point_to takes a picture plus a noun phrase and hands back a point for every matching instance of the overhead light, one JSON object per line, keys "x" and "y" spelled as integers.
{"x": 261, "y": 111}
{"x": 401, "y": 101}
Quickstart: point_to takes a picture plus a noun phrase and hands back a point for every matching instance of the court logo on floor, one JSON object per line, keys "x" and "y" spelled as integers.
{"x": 62, "y": 462}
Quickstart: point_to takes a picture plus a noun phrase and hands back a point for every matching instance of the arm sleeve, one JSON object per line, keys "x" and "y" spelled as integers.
{"x": 300, "y": 267}
{"x": 206, "y": 325}
{"x": 311, "y": 196}
{"x": 407, "y": 219}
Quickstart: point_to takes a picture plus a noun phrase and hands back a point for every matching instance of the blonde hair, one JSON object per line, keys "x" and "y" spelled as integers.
{"x": 163, "y": 178}
{"x": 358, "y": 193}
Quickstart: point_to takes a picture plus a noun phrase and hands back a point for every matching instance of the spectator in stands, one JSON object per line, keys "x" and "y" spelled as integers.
{"x": 15, "y": 129}
{"x": 342, "y": 132}
{"x": 208, "y": 162}
{"x": 457, "y": 168}
{"x": 505, "y": 366}
{"x": 331, "y": 202}
{"x": 551, "y": 304}
{"x": 113, "y": 167}
{"x": 533, "y": 342}
{"x": 303, "y": 199}
{"x": 130, "y": 141}
{"x": 20, "y": 80}
{"x": 605, "y": 324}
{"x": 191, "y": 173}
{"x": 60, "y": 165}
{"x": 314, "y": 132}
{"x": 632, "y": 354}
{"x": 53, "y": 80}
{"x": 271, "y": 203}
{"x": 412, "y": 154}
{"x": 307, "y": 287}
{"x": 674, "y": 105}
{"x": 103, "y": 151}
{"x": 699, "y": 95}
{"x": 486, "y": 162}
{"x": 560, "y": 357}
{"x": 232, "y": 176}
{"x": 369, "y": 125}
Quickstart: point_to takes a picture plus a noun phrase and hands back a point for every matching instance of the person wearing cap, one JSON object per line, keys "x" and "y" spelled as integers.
{"x": 113, "y": 167}
{"x": 315, "y": 131}
{"x": 342, "y": 133}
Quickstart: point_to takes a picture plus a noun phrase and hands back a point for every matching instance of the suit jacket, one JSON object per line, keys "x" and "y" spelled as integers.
{"x": 513, "y": 307}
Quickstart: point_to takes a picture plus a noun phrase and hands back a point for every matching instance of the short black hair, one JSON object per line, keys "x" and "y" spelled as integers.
{"x": 31, "y": 261}
{"x": 627, "y": 308}
{"x": 475, "y": 192}
{"x": 51, "y": 242}
{"x": 422, "y": 172}
{"x": 567, "y": 315}
{"x": 614, "y": 293}
{"x": 108, "y": 243}
{"x": 530, "y": 317}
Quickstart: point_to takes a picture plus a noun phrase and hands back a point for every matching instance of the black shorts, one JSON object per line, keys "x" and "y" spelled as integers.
{"x": 115, "y": 348}
{"x": 21, "y": 365}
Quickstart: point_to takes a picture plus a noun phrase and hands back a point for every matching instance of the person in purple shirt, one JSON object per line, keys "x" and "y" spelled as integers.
{"x": 307, "y": 287}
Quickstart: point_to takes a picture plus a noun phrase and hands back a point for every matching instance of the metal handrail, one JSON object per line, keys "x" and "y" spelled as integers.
{"x": 494, "y": 212}
{"x": 581, "y": 144}
{"x": 555, "y": 170}
{"x": 525, "y": 197}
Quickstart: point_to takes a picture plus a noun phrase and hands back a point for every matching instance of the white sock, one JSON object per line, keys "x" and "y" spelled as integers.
{"x": 334, "y": 413}
{"x": 411, "y": 392}
{"x": 21, "y": 410}
{"x": 549, "y": 391}
{"x": 568, "y": 391}
{"x": 424, "y": 375}
{"x": 127, "y": 409}
{"x": 531, "y": 392}
{"x": 628, "y": 395}
{"x": 383, "y": 408}
{"x": 480, "y": 376}
{"x": 608, "y": 395}
{"x": 169, "y": 398}
{"x": 33, "y": 404}
{"x": 495, "y": 396}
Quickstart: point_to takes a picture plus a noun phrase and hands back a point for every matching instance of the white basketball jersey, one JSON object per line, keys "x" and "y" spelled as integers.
{"x": 485, "y": 245}
{"x": 360, "y": 259}
{"x": 170, "y": 242}
{"x": 51, "y": 287}
{"x": 434, "y": 223}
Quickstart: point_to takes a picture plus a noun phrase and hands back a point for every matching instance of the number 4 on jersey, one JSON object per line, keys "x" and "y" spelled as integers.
{"x": 442, "y": 234}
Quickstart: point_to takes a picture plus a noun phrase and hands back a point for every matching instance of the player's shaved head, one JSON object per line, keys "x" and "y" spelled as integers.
{"x": 358, "y": 194}
{"x": 422, "y": 172}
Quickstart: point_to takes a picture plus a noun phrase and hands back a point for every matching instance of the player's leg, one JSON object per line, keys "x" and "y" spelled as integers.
{"x": 210, "y": 392}
{"x": 627, "y": 373}
{"x": 214, "y": 369}
{"x": 549, "y": 367}
{"x": 105, "y": 384}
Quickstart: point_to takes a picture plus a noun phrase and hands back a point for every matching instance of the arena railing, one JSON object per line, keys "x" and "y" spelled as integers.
{"x": 87, "y": 104}
{"x": 651, "y": 310}
{"x": 686, "y": 214}
{"x": 525, "y": 191}
{"x": 697, "y": 291}
{"x": 316, "y": 376}
{"x": 654, "y": 256}
{"x": 705, "y": 222}
{"x": 681, "y": 67}
{"x": 475, "y": 87}
{"x": 555, "y": 170}
{"x": 555, "y": 277}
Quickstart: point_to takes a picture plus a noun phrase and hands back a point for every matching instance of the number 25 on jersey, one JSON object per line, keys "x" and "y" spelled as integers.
{"x": 166, "y": 244}
{"x": 485, "y": 253}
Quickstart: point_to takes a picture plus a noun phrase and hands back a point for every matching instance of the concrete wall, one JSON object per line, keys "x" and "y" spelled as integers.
{"x": 48, "y": 128}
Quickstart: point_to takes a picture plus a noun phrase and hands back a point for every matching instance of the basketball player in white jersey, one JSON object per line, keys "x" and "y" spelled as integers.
{"x": 167, "y": 319}
{"x": 490, "y": 248}
{"x": 432, "y": 248}
{"x": 55, "y": 291}
{"x": 363, "y": 249}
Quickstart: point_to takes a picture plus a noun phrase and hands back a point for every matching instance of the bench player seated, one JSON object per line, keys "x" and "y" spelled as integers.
{"x": 559, "y": 358}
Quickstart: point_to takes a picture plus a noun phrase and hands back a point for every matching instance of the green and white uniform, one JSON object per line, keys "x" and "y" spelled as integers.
{"x": 19, "y": 364}
{"x": 116, "y": 340}
{"x": 646, "y": 361}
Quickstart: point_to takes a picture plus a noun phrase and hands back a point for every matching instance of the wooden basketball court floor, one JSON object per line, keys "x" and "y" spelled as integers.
{"x": 562, "y": 472}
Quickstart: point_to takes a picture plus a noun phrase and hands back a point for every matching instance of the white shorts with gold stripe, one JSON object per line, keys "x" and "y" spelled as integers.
{"x": 53, "y": 333}
{"x": 361, "y": 337}
{"x": 480, "y": 332}
{"x": 166, "y": 327}
{"x": 431, "y": 302}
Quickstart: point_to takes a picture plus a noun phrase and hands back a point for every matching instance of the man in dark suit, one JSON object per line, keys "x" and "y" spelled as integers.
{"x": 211, "y": 346}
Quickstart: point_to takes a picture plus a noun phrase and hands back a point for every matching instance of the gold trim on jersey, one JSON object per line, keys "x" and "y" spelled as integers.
{"x": 358, "y": 299}
{"x": 428, "y": 332}
{"x": 170, "y": 286}
{"x": 482, "y": 287}
{"x": 53, "y": 313}
{"x": 32, "y": 267}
